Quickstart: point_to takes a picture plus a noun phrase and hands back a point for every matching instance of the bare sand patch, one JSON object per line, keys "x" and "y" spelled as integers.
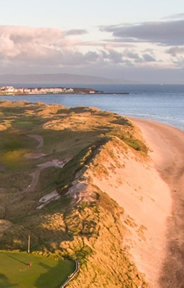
{"x": 80, "y": 191}
{"x": 48, "y": 198}
{"x": 52, "y": 163}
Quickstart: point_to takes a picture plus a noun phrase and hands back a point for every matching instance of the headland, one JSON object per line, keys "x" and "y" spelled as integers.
{"x": 10, "y": 90}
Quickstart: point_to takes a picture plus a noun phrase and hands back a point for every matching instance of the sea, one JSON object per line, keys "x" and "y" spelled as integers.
{"x": 161, "y": 103}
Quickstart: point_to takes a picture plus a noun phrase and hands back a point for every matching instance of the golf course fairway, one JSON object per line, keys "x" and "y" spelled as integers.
{"x": 22, "y": 270}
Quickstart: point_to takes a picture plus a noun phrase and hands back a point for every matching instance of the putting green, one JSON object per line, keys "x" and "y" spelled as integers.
{"x": 42, "y": 273}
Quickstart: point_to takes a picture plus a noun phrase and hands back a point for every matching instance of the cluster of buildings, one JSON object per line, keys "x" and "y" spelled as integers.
{"x": 10, "y": 90}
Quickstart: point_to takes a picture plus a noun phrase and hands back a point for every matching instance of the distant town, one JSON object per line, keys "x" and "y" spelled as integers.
{"x": 10, "y": 90}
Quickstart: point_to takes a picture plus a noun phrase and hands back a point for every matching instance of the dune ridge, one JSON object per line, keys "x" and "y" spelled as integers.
{"x": 120, "y": 208}
{"x": 150, "y": 192}
{"x": 135, "y": 185}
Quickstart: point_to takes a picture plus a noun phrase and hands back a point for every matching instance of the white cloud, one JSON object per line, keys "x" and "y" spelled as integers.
{"x": 49, "y": 46}
{"x": 32, "y": 43}
{"x": 45, "y": 50}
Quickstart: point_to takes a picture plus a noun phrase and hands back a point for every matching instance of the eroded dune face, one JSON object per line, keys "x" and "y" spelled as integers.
{"x": 135, "y": 184}
{"x": 152, "y": 195}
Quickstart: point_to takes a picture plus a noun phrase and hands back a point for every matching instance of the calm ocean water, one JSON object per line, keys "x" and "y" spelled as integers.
{"x": 163, "y": 103}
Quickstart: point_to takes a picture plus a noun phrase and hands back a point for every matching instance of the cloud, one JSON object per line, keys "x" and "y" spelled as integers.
{"x": 17, "y": 41}
{"x": 174, "y": 51}
{"x": 165, "y": 33}
{"x": 113, "y": 56}
{"x": 76, "y": 32}
{"x": 175, "y": 16}
{"x": 148, "y": 58}
{"x": 132, "y": 55}
{"x": 177, "y": 54}
{"x": 42, "y": 50}
{"x": 22, "y": 35}
{"x": 36, "y": 45}
{"x": 51, "y": 47}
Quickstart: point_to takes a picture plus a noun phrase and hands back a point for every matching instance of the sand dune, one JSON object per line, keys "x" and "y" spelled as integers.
{"x": 150, "y": 191}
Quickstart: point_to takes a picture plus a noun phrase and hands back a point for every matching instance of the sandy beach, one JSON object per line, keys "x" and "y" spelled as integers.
{"x": 151, "y": 193}
{"x": 167, "y": 145}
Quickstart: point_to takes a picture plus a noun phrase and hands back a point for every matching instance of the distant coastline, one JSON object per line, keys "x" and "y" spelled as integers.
{"x": 12, "y": 91}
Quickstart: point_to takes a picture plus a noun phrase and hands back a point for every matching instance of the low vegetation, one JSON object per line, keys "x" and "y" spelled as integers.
{"x": 84, "y": 223}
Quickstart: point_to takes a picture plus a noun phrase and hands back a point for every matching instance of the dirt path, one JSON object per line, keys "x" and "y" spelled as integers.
{"x": 167, "y": 144}
{"x": 39, "y": 139}
{"x": 36, "y": 174}
{"x": 35, "y": 178}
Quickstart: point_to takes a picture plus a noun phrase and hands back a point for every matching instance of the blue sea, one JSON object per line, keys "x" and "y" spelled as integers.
{"x": 162, "y": 103}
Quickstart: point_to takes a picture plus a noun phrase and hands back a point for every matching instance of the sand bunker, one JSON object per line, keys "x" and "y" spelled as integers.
{"x": 48, "y": 198}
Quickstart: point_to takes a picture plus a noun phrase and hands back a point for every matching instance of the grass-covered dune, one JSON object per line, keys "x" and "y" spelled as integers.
{"x": 53, "y": 161}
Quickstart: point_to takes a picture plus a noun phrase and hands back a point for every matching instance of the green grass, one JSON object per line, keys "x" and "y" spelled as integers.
{"x": 13, "y": 147}
{"x": 24, "y": 124}
{"x": 129, "y": 139}
{"x": 83, "y": 231}
{"x": 44, "y": 272}
{"x": 76, "y": 164}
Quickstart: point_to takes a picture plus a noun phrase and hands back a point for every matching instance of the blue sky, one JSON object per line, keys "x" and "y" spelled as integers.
{"x": 141, "y": 41}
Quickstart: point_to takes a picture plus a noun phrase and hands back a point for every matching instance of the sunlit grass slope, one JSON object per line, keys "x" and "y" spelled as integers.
{"x": 83, "y": 225}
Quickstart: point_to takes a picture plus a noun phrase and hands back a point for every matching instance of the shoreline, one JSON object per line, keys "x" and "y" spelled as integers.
{"x": 67, "y": 93}
{"x": 167, "y": 151}
{"x": 22, "y": 91}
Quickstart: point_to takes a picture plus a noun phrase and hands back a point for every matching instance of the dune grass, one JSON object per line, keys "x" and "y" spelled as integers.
{"x": 44, "y": 272}
{"x": 91, "y": 233}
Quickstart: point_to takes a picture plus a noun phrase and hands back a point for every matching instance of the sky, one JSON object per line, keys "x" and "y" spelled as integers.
{"x": 129, "y": 40}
